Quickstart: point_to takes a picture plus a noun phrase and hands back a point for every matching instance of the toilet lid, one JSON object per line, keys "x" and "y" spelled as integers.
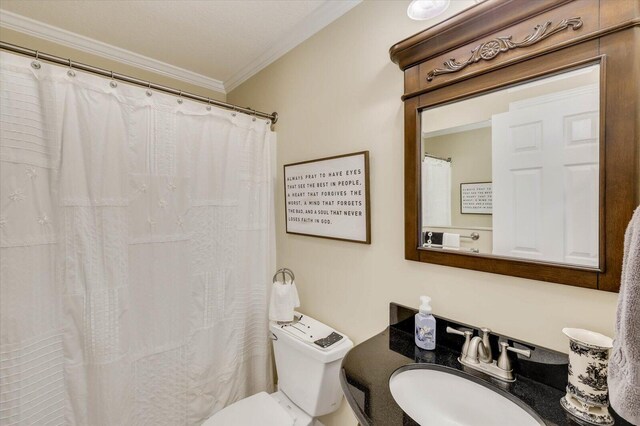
{"x": 259, "y": 409}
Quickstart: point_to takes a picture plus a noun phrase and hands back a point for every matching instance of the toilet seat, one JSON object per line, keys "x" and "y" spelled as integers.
{"x": 259, "y": 409}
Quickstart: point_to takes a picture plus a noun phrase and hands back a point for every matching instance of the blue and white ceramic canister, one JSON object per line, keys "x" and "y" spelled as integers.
{"x": 587, "y": 395}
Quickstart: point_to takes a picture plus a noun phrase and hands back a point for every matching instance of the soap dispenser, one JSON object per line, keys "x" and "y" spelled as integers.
{"x": 425, "y": 325}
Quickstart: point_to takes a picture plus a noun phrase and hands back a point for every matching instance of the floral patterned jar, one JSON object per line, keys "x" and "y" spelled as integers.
{"x": 587, "y": 395}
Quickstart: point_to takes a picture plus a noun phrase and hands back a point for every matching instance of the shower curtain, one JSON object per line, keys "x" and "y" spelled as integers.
{"x": 136, "y": 243}
{"x": 436, "y": 192}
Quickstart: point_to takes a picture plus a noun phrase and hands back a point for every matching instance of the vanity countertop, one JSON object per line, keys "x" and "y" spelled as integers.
{"x": 368, "y": 366}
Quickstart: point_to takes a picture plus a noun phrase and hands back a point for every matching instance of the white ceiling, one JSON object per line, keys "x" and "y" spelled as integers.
{"x": 213, "y": 43}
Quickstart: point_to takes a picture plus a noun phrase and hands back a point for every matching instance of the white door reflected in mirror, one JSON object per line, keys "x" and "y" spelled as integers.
{"x": 520, "y": 168}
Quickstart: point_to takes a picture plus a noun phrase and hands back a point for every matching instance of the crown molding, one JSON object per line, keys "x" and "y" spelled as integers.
{"x": 57, "y": 35}
{"x": 320, "y": 18}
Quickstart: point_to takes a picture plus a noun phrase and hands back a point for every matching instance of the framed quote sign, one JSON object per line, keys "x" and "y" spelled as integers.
{"x": 476, "y": 198}
{"x": 329, "y": 198}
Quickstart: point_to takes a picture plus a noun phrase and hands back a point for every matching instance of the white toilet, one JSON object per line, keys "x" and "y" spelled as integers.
{"x": 308, "y": 356}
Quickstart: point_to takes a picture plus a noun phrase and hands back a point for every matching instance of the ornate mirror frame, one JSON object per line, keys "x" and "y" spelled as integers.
{"x": 499, "y": 43}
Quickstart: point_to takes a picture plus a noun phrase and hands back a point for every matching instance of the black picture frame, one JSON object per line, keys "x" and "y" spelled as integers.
{"x": 462, "y": 184}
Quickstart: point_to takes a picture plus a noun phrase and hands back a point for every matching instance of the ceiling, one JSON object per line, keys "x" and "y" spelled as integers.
{"x": 217, "y": 43}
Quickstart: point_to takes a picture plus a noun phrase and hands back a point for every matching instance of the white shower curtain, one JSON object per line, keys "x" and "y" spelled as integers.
{"x": 136, "y": 244}
{"x": 436, "y": 192}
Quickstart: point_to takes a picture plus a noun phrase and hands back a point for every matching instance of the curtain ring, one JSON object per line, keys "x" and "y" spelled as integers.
{"x": 208, "y": 104}
{"x": 180, "y": 98}
{"x": 233, "y": 114}
{"x": 35, "y": 64}
{"x": 148, "y": 92}
{"x": 254, "y": 115}
{"x": 70, "y": 71}
{"x": 113, "y": 83}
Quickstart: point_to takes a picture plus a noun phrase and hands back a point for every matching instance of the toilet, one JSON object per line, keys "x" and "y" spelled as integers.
{"x": 308, "y": 355}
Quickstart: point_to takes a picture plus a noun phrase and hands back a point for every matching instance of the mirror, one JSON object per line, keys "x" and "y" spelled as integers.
{"x": 515, "y": 173}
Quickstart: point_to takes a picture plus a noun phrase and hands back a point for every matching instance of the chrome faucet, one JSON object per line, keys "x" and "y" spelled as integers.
{"x": 476, "y": 353}
{"x": 479, "y": 349}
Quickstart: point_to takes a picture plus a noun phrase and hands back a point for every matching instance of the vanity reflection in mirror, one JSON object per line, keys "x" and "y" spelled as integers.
{"x": 515, "y": 172}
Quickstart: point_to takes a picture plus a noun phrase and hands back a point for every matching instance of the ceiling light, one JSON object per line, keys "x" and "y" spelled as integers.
{"x": 426, "y": 9}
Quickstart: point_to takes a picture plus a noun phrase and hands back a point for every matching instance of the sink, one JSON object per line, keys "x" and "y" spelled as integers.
{"x": 442, "y": 396}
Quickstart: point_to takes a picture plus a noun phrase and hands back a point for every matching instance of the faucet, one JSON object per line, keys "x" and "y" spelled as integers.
{"x": 479, "y": 349}
{"x": 476, "y": 353}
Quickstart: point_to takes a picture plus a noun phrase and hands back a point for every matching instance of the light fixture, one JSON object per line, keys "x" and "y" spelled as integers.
{"x": 426, "y": 9}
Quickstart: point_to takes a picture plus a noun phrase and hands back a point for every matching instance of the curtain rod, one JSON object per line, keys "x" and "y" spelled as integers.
{"x": 132, "y": 80}
{"x": 448, "y": 159}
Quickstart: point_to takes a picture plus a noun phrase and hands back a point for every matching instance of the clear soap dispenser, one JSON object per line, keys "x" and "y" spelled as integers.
{"x": 425, "y": 325}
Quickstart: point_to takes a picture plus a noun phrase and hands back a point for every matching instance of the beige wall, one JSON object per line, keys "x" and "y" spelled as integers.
{"x": 337, "y": 93}
{"x": 35, "y": 43}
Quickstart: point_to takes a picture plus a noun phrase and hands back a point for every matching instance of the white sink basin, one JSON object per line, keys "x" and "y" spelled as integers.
{"x": 440, "y": 396}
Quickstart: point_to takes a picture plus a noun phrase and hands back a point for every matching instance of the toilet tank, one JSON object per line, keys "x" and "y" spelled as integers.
{"x": 307, "y": 373}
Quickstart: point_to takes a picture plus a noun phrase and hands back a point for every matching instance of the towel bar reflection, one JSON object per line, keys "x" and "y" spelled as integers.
{"x": 472, "y": 250}
{"x": 474, "y": 236}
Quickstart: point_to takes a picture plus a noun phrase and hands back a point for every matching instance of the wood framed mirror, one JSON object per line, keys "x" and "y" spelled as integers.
{"x": 522, "y": 127}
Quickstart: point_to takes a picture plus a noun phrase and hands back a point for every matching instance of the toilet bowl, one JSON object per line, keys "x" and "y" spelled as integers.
{"x": 308, "y": 354}
{"x": 261, "y": 409}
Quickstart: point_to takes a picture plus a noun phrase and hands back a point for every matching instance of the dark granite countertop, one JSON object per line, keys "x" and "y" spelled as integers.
{"x": 540, "y": 380}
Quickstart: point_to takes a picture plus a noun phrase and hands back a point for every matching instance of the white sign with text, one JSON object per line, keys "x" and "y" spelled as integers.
{"x": 476, "y": 198}
{"x": 329, "y": 197}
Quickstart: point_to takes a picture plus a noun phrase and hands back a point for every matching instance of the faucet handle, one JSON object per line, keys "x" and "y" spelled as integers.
{"x": 503, "y": 361}
{"x": 468, "y": 334}
{"x": 523, "y": 352}
{"x": 467, "y": 339}
{"x": 452, "y": 330}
